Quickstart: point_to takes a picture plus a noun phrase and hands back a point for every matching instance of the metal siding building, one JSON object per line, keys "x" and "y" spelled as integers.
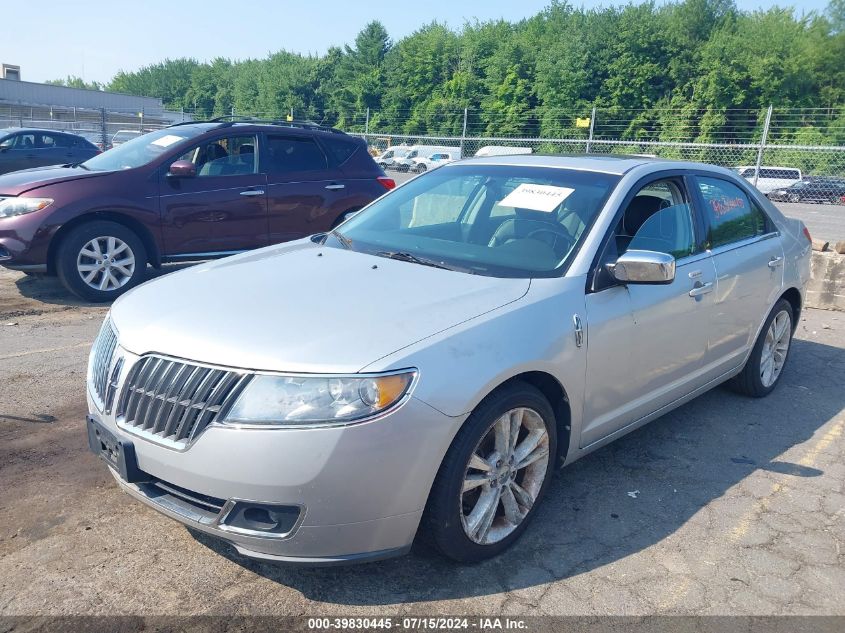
{"x": 35, "y": 94}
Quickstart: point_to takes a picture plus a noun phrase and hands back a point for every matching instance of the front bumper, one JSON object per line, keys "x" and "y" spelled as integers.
{"x": 361, "y": 488}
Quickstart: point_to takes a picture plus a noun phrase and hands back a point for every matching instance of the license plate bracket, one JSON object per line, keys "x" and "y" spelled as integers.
{"x": 117, "y": 453}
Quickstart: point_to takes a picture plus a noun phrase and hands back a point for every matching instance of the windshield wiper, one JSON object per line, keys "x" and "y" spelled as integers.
{"x": 72, "y": 165}
{"x": 404, "y": 256}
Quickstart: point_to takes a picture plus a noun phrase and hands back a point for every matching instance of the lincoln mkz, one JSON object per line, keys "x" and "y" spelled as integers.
{"x": 420, "y": 370}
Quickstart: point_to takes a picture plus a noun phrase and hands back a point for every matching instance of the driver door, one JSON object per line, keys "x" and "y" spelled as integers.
{"x": 646, "y": 343}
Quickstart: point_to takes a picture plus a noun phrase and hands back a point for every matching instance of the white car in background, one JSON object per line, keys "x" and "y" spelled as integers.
{"x": 420, "y": 165}
{"x": 770, "y": 178}
{"x": 418, "y": 152}
{"x": 389, "y": 157}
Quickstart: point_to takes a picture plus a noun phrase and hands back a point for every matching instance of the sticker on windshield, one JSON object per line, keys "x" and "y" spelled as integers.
{"x": 167, "y": 141}
{"x": 536, "y": 197}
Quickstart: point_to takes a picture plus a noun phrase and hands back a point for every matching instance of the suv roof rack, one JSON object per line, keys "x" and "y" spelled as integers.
{"x": 229, "y": 119}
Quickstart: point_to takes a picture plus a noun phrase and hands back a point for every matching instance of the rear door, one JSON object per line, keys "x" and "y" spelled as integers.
{"x": 58, "y": 149}
{"x": 305, "y": 190}
{"x": 223, "y": 209}
{"x": 748, "y": 256}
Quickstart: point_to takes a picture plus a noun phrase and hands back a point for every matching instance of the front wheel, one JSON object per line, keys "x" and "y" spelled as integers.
{"x": 98, "y": 261}
{"x": 493, "y": 476}
{"x": 765, "y": 365}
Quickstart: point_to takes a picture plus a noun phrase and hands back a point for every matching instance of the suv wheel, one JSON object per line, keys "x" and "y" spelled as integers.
{"x": 493, "y": 477}
{"x": 101, "y": 260}
{"x": 765, "y": 366}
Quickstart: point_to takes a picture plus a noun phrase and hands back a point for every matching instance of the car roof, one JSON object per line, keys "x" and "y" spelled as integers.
{"x": 607, "y": 164}
{"x": 16, "y": 130}
{"x": 285, "y": 127}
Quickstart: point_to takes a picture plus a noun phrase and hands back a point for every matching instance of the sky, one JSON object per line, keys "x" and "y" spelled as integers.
{"x": 97, "y": 41}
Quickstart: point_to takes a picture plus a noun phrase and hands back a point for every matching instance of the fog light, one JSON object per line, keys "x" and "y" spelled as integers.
{"x": 260, "y": 518}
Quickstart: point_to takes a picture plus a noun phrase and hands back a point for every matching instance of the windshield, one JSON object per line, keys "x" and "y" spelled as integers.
{"x": 499, "y": 221}
{"x": 142, "y": 149}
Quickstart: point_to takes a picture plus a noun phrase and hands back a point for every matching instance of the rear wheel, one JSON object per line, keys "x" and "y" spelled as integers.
{"x": 99, "y": 261}
{"x": 765, "y": 365}
{"x": 493, "y": 476}
{"x": 420, "y": 168}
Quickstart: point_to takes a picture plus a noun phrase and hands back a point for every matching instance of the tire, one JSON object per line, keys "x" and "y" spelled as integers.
{"x": 77, "y": 257}
{"x": 343, "y": 217}
{"x": 753, "y": 380}
{"x": 419, "y": 169}
{"x": 448, "y": 519}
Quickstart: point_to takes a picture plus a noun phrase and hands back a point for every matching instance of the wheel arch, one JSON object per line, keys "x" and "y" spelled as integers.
{"x": 793, "y": 296}
{"x": 143, "y": 233}
{"x": 555, "y": 393}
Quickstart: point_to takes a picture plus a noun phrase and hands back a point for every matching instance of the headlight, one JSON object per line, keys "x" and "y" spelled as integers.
{"x": 311, "y": 400}
{"x": 10, "y": 207}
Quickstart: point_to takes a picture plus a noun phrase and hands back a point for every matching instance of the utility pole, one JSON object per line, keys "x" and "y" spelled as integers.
{"x": 367, "y": 123}
{"x": 762, "y": 144}
{"x": 592, "y": 125}
{"x": 464, "y": 132}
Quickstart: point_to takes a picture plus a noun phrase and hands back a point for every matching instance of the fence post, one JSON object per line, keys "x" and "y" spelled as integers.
{"x": 592, "y": 124}
{"x": 141, "y": 114}
{"x": 103, "y": 130}
{"x": 464, "y": 132}
{"x": 367, "y": 123}
{"x": 762, "y": 145}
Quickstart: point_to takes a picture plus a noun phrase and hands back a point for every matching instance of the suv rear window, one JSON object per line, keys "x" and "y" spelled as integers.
{"x": 294, "y": 154}
{"x": 341, "y": 149}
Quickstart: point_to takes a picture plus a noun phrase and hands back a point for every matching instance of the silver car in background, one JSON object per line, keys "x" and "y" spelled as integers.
{"x": 423, "y": 368}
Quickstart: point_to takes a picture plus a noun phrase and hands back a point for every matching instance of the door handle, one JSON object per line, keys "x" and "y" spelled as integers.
{"x": 701, "y": 289}
{"x": 579, "y": 330}
{"x": 253, "y": 192}
{"x": 335, "y": 186}
{"x": 774, "y": 262}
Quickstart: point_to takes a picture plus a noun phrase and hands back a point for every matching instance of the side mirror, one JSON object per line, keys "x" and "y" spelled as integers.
{"x": 643, "y": 267}
{"x": 182, "y": 169}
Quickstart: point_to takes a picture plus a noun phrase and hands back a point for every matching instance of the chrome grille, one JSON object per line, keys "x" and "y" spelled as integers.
{"x": 101, "y": 357}
{"x": 173, "y": 400}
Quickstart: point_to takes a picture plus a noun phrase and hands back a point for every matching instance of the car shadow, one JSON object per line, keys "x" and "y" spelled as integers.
{"x": 672, "y": 468}
{"x": 48, "y": 289}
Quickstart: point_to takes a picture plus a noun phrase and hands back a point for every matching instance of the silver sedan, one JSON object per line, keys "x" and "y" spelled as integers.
{"x": 420, "y": 371}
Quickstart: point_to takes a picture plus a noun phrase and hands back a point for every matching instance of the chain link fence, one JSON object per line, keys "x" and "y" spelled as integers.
{"x": 795, "y": 155}
{"x": 97, "y": 125}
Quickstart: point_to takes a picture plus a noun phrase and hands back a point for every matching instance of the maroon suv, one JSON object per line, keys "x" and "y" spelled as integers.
{"x": 188, "y": 192}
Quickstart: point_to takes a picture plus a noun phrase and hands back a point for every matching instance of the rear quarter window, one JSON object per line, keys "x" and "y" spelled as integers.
{"x": 340, "y": 149}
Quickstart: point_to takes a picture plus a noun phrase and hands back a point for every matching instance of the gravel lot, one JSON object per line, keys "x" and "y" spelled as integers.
{"x": 725, "y": 506}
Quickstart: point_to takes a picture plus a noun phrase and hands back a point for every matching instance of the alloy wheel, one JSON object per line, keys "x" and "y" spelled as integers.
{"x": 106, "y": 263}
{"x": 504, "y": 476}
{"x": 775, "y": 348}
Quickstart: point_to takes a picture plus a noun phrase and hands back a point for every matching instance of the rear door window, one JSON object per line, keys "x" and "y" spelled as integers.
{"x": 730, "y": 214}
{"x": 294, "y": 154}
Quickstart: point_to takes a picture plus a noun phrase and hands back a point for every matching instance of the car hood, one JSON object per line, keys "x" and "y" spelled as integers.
{"x": 17, "y": 182}
{"x": 301, "y": 307}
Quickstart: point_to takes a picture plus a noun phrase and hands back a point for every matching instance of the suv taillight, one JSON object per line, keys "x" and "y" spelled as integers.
{"x": 387, "y": 183}
{"x": 807, "y": 235}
